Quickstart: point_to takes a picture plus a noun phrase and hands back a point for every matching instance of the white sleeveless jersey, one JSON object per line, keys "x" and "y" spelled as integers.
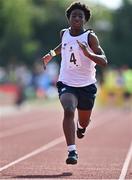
{"x": 76, "y": 69}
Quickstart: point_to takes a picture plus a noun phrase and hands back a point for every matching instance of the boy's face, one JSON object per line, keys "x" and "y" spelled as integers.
{"x": 77, "y": 19}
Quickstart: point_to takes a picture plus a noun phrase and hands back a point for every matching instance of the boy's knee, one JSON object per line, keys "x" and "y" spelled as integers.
{"x": 69, "y": 108}
{"x": 69, "y": 111}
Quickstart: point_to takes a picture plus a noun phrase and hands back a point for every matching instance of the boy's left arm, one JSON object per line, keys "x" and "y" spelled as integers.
{"x": 98, "y": 55}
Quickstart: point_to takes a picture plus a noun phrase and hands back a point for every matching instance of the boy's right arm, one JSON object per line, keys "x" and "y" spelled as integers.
{"x": 56, "y": 51}
{"x": 48, "y": 57}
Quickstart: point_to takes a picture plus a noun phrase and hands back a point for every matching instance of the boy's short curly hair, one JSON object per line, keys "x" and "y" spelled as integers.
{"x": 78, "y": 5}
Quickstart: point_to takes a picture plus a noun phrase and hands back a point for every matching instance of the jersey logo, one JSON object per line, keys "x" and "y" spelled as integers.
{"x": 63, "y": 89}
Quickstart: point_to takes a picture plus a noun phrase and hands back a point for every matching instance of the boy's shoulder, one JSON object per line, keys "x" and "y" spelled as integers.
{"x": 91, "y": 33}
{"x": 90, "y": 30}
{"x": 62, "y": 32}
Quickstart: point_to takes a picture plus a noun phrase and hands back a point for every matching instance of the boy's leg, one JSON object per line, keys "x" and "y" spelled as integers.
{"x": 83, "y": 122}
{"x": 84, "y": 117}
{"x": 85, "y": 105}
{"x": 69, "y": 104}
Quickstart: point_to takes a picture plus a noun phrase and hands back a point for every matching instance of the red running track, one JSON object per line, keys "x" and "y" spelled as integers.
{"x": 32, "y": 145}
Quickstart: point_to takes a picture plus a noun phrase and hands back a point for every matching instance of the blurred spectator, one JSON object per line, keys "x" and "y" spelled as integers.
{"x": 23, "y": 80}
{"x": 3, "y": 76}
{"x": 117, "y": 87}
{"x": 127, "y": 95}
{"x": 45, "y": 81}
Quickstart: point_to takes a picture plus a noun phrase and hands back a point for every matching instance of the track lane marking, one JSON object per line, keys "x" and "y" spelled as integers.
{"x": 126, "y": 164}
{"x": 47, "y": 146}
{"x": 35, "y": 152}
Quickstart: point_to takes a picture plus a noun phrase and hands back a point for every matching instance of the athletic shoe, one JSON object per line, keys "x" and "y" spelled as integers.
{"x": 72, "y": 157}
{"x": 80, "y": 132}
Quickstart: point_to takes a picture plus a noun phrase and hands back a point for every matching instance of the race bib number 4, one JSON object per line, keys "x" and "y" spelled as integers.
{"x": 73, "y": 59}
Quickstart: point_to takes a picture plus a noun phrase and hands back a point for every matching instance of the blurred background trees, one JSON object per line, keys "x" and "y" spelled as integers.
{"x": 118, "y": 45}
{"x": 16, "y": 43}
{"x": 29, "y": 28}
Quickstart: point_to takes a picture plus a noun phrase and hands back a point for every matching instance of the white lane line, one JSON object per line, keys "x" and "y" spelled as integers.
{"x": 43, "y": 148}
{"x": 35, "y": 152}
{"x": 126, "y": 164}
{"x": 50, "y": 145}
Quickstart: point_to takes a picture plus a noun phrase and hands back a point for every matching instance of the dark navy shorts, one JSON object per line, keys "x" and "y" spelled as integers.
{"x": 85, "y": 95}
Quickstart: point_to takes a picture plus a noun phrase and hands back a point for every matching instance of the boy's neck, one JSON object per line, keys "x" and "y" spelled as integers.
{"x": 76, "y": 32}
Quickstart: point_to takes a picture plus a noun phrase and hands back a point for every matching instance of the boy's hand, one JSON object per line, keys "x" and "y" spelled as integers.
{"x": 46, "y": 58}
{"x": 83, "y": 48}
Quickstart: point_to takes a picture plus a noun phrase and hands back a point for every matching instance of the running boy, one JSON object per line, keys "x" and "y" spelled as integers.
{"x": 80, "y": 52}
